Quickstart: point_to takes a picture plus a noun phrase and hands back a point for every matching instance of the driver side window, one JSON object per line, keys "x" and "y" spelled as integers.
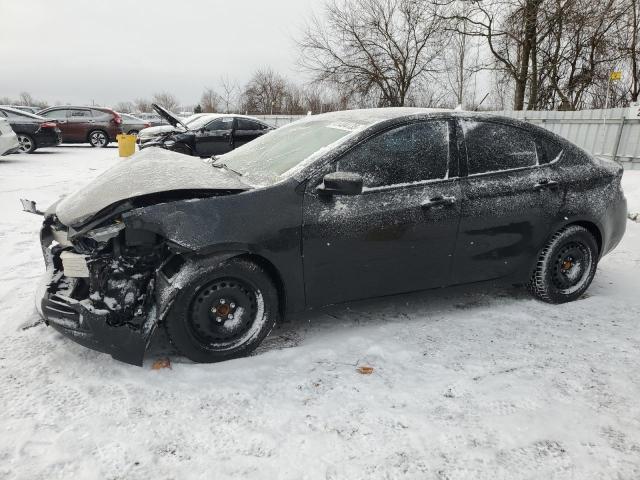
{"x": 407, "y": 154}
{"x": 220, "y": 124}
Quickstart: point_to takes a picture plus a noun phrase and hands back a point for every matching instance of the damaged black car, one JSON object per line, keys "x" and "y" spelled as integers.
{"x": 207, "y": 135}
{"x": 330, "y": 209}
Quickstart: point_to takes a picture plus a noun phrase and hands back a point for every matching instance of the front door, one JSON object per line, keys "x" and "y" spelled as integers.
{"x": 215, "y": 138}
{"x": 511, "y": 196}
{"x": 399, "y": 234}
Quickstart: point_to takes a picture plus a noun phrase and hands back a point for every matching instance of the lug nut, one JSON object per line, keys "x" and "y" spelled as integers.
{"x": 232, "y": 305}
{"x": 222, "y": 301}
{"x": 230, "y": 316}
{"x": 219, "y": 319}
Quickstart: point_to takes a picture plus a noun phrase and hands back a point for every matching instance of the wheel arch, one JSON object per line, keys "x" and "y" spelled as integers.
{"x": 177, "y": 261}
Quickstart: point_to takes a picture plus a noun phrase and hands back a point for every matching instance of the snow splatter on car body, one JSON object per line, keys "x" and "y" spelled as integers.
{"x": 333, "y": 208}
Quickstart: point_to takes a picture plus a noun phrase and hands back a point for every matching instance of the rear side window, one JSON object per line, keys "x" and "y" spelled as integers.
{"x": 77, "y": 113}
{"x": 245, "y": 124}
{"x": 406, "y": 154}
{"x": 57, "y": 114}
{"x": 492, "y": 147}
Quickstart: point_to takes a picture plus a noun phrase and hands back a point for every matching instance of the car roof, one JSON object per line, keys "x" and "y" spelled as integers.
{"x": 22, "y": 112}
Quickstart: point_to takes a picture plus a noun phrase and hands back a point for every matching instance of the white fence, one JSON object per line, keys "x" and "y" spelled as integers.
{"x": 613, "y": 133}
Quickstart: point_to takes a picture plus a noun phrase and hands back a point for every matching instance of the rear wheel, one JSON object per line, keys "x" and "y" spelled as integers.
{"x": 224, "y": 312}
{"x": 27, "y": 143}
{"x": 98, "y": 139}
{"x": 566, "y": 266}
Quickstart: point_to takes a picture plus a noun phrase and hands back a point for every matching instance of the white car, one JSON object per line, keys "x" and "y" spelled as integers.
{"x": 8, "y": 139}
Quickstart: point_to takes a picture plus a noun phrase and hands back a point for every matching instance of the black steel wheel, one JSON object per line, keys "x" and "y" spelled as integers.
{"x": 224, "y": 312}
{"x": 566, "y": 266}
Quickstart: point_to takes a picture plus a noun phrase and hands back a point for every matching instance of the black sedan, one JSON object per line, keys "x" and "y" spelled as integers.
{"x": 330, "y": 209}
{"x": 33, "y": 131}
{"x": 208, "y": 135}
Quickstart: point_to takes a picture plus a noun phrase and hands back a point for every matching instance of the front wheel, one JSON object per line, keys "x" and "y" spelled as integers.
{"x": 98, "y": 139}
{"x": 224, "y": 312}
{"x": 27, "y": 144}
{"x": 566, "y": 266}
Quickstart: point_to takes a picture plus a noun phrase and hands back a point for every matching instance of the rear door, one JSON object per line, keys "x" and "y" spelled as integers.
{"x": 511, "y": 196}
{"x": 60, "y": 116}
{"x": 79, "y": 122}
{"x": 399, "y": 234}
{"x": 215, "y": 138}
{"x": 247, "y": 130}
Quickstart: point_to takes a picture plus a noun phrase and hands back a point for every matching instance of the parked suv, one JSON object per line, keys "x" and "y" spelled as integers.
{"x": 93, "y": 125}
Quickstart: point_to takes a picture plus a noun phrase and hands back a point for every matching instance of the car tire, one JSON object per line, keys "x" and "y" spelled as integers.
{"x": 27, "y": 143}
{"x": 223, "y": 311}
{"x": 566, "y": 266}
{"x": 132, "y": 132}
{"x": 98, "y": 138}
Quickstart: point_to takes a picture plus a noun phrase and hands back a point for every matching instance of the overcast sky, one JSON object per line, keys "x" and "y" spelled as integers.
{"x": 79, "y": 51}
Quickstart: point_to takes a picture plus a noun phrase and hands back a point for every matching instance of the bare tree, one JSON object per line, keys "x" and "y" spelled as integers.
{"x": 510, "y": 28}
{"x": 209, "y": 100}
{"x": 379, "y": 47}
{"x": 580, "y": 49}
{"x": 631, "y": 46}
{"x": 229, "y": 95}
{"x": 264, "y": 93}
{"x": 124, "y": 107}
{"x": 143, "y": 105}
{"x": 166, "y": 100}
{"x": 462, "y": 59}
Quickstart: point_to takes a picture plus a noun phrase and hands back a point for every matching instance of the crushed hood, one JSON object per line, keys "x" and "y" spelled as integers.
{"x": 168, "y": 116}
{"x": 150, "y": 171}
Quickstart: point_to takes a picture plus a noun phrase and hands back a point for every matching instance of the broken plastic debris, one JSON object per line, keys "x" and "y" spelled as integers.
{"x": 364, "y": 370}
{"x": 161, "y": 363}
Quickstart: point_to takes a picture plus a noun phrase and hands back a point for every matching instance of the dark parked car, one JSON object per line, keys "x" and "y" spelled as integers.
{"x": 208, "y": 135}
{"x": 132, "y": 125}
{"x": 33, "y": 131}
{"x": 333, "y": 208}
{"x": 24, "y": 108}
{"x": 94, "y": 125}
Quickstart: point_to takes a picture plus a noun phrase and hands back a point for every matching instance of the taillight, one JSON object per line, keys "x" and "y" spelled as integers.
{"x": 147, "y": 125}
{"x": 48, "y": 125}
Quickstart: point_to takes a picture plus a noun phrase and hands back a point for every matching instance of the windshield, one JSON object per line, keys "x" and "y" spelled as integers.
{"x": 273, "y": 154}
{"x": 200, "y": 122}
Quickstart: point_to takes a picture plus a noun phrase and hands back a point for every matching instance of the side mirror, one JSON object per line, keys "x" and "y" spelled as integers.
{"x": 341, "y": 183}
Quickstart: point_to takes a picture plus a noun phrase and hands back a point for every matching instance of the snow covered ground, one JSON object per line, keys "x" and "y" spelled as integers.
{"x": 478, "y": 382}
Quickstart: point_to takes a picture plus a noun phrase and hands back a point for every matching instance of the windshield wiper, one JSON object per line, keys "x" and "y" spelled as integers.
{"x": 216, "y": 164}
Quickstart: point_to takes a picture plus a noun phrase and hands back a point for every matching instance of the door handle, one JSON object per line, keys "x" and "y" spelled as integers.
{"x": 438, "y": 201}
{"x": 545, "y": 183}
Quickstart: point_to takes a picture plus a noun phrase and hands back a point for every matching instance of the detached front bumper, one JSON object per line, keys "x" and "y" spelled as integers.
{"x": 60, "y": 304}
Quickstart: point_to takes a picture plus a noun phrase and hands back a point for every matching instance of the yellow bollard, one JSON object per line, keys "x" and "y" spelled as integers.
{"x": 126, "y": 145}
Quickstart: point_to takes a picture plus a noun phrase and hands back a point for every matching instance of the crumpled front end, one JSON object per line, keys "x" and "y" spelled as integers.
{"x": 99, "y": 287}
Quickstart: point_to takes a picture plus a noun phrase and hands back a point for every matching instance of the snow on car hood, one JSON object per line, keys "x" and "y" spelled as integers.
{"x": 152, "y": 170}
{"x": 156, "y": 131}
